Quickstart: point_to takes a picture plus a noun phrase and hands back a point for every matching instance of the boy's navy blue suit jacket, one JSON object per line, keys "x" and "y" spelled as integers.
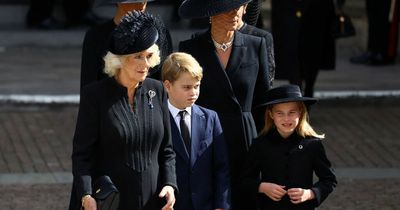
{"x": 203, "y": 178}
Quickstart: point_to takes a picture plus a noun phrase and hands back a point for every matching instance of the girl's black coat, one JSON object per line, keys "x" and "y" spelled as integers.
{"x": 133, "y": 148}
{"x": 289, "y": 162}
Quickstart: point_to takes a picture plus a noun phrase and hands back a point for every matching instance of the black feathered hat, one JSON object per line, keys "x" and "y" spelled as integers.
{"x": 208, "y": 8}
{"x": 286, "y": 93}
{"x": 136, "y": 32}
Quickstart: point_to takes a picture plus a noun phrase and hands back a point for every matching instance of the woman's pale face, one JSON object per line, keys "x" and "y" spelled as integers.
{"x": 229, "y": 20}
{"x": 135, "y": 67}
{"x": 286, "y": 117}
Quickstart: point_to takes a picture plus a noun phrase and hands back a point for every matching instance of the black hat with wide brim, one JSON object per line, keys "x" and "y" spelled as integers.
{"x": 286, "y": 93}
{"x": 136, "y": 32}
{"x": 108, "y": 2}
{"x": 208, "y": 8}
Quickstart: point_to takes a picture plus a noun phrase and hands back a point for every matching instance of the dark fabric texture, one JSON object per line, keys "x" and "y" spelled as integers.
{"x": 289, "y": 162}
{"x": 252, "y": 12}
{"x": 303, "y": 45}
{"x": 232, "y": 93}
{"x": 258, "y": 113}
{"x": 203, "y": 174}
{"x": 132, "y": 147}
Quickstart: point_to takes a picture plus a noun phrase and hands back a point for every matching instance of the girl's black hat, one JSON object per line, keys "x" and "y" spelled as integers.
{"x": 136, "y": 32}
{"x": 286, "y": 93}
{"x": 208, "y": 8}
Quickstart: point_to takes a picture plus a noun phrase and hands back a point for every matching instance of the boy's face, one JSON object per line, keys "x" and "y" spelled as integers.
{"x": 184, "y": 91}
{"x": 286, "y": 117}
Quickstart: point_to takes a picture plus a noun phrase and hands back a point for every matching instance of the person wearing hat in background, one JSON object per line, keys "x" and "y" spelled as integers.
{"x": 287, "y": 154}
{"x": 96, "y": 39}
{"x": 303, "y": 40}
{"x": 123, "y": 127}
{"x": 236, "y": 77}
{"x": 247, "y": 28}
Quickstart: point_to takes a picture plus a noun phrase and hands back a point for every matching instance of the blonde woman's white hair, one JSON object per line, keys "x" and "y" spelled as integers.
{"x": 112, "y": 62}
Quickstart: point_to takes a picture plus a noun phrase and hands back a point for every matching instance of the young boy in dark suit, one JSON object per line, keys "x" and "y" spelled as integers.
{"x": 202, "y": 167}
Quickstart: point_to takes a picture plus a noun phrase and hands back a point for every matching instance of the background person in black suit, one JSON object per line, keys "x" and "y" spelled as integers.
{"x": 236, "y": 77}
{"x": 95, "y": 42}
{"x": 383, "y": 28}
{"x": 77, "y": 12}
{"x": 123, "y": 127}
{"x": 303, "y": 40}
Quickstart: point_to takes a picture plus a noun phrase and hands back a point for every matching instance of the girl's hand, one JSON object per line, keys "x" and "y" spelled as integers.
{"x": 299, "y": 195}
{"x": 168, "y": 193}
{"x": 89, "y": 203}
{"x": 273, "y": 191}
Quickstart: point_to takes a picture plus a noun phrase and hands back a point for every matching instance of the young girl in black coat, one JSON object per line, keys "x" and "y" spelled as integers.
{"x": 282, "y": 160}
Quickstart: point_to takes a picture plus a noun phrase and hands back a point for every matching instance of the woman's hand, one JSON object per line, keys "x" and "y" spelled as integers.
{"x": 273, "y": 191}
{"x": 89, "y": 203}
{"x": 168, "y": 193}
{"x": 299, "y": 195}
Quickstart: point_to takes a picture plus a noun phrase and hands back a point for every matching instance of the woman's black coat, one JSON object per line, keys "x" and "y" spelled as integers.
{"x": 232, "y": 92}
{"x": 289, "y": 162}
{"x": 303, "y": 40}
{"x": 133, "y": 148}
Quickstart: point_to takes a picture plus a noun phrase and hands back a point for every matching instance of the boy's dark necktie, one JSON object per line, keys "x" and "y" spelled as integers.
{"x": 184, "y": 130}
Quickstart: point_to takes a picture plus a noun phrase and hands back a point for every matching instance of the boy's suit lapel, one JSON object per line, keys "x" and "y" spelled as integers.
{"x": 198, "y": 130}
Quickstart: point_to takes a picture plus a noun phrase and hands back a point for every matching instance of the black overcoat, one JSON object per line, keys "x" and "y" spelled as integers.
{"x": 289, "y": 162}
{"x": 134, "y": 148}
{"x": 234, "y": 91}
{"x": 303, "y": 40}
{"x": 258, "y": 114}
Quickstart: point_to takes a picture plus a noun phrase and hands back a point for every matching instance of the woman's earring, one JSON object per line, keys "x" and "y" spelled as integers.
{"x": 210, "y": 20}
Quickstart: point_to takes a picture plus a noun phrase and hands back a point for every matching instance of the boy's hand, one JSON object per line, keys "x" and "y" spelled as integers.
{"x": 299, "y": 195}
{"x": 273, "y": 191}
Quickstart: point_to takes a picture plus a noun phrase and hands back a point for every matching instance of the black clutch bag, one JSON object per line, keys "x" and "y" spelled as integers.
{"x": 343, "y": 26}
{"x": 105, "y": 193}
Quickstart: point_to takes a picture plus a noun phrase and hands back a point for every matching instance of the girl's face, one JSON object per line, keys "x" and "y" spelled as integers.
{"x": 286, "y": 117}
{"x": 136, "y": 66}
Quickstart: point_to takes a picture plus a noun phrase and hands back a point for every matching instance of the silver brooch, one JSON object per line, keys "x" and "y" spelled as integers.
{"x": 300, "y": 146}
{"x": 151, "y": 94}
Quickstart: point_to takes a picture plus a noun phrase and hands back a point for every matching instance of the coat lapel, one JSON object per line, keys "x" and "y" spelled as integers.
{"x": 177, "y": 141}
{"x": 216, "y": 72}
{"x": 198, "y": 130}
{"x": 237, "y": 54}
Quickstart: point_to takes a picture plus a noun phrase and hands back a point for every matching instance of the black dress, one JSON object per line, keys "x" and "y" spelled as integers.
{"x": 134, "y": 148}
{"x": 289, "y": 162}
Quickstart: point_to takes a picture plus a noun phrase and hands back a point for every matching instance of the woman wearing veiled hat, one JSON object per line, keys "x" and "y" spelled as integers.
{"x": 95, "y": 42}
{"x": 123, "y": 128}
{"x": 236, "y": 78}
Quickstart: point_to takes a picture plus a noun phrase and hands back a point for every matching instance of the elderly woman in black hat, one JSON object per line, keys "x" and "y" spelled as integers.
{"x": 236, "y": 77}
{"x": 95, "y": 42}
{"x": 123, "y": 128}
{"x": 287, "y": 154}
